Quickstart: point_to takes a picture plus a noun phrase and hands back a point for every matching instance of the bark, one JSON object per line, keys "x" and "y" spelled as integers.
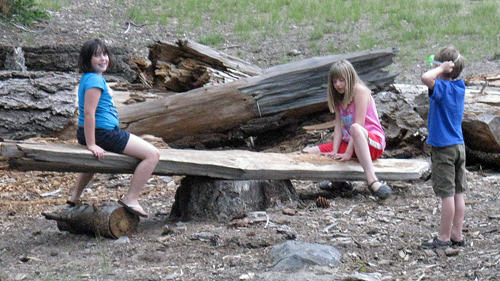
{"x": 107, "y": 221}
{"x": 226, "y": 164}
{"x": 62, "y": 58}
{"x": 481, "y": 123}
{"x": 35, "y": 103}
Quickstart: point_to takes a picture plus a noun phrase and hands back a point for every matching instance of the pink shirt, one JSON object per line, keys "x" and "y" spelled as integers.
{"x": 372, "y": 123}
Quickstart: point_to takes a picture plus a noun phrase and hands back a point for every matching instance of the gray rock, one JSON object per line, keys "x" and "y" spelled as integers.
{"x": 294, "y": 255}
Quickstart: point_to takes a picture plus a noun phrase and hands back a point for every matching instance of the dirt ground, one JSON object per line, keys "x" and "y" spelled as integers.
{"x": 379, "y": 239}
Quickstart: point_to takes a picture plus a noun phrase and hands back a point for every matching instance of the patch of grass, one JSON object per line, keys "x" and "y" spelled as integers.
{"x": 53, "y": 5}
{"x": 24, "y": 12}
{"x": 105, "y": 262}
{"x": 414, "y": 26}
{"x": 212, "y": 40}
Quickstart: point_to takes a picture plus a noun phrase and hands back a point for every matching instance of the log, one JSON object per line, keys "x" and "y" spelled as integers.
{"x": 35, "y": 103}
{"x": 483, "y": 159}
{"x": 226, "y": 164}
{"x": 109, "y": 221}
{"x": 64, "y": 58}
{"x": 186, "y": 65}
{"x": 291, "y": 90}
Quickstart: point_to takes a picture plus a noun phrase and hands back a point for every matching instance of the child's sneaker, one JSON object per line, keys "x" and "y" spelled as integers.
{"x": 436, "y": 243}
{"x": 458, "y": 243}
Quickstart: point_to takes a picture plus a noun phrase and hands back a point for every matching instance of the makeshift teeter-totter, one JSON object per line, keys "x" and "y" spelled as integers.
{"x": 226, "y": 164}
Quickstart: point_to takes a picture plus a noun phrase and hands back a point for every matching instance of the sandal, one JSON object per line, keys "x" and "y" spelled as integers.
{"x": 436, "y": 243}
{"x": 383, "y": 192}
{"x": 336, "y": 185}
{"x": 134, "y": 209}
{"x": 71, "y": 204}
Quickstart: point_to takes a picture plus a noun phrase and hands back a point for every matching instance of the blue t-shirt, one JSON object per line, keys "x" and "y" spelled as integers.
{"x": 106, "y": 116}
{"x": 446, "y": 112}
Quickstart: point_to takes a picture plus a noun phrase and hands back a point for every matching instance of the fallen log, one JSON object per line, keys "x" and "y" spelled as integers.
{"x": 186, "y": 65}
{"x": 227, "y": 164}
{"x": 35, "y": 103}
{"x": 483, "y": 159}
{"x": 291, "y": 91}
{"x": 109, "y": 221}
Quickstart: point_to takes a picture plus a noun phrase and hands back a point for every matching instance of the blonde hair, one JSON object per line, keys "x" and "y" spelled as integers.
{"x": 344, "y": 69}
{"x": 451, "y": 54}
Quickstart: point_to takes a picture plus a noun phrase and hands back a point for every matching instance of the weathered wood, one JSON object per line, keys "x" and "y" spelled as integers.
{"x": 227, "y": 164}
{"x": 35, "y": 103}
{"x": 189, "y": 61}
{"x": 109, "y": 221}
{"x": 296, "y": 89}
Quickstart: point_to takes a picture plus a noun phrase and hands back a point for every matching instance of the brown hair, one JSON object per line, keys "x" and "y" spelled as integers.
{"x": 90, "y": 48}
{"x": 451, "y": 54}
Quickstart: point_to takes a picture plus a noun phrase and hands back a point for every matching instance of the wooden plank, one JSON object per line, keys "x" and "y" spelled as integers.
{"x": 227, "y": 164}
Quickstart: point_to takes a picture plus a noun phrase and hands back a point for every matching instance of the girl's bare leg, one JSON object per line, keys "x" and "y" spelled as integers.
{"x": 360, "y": 137}
{"x": 81, "y": 182}
{"x": 149, "y": 155}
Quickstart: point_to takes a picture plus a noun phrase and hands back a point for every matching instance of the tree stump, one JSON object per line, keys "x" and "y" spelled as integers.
{"x": 205, "y": 198}
{"x": 109, "y": 221}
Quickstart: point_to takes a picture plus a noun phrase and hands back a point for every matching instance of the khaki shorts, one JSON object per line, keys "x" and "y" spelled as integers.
{"x": 448, "y": 170}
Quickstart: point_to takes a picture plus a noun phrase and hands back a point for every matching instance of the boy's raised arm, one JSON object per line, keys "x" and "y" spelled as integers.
{"x": 429, "y": 78}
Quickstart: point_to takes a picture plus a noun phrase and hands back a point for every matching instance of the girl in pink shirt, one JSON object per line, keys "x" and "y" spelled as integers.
{"x": 358, "y": 132}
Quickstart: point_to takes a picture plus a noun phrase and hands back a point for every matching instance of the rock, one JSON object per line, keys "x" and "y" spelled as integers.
{"x": 294, "y": 255}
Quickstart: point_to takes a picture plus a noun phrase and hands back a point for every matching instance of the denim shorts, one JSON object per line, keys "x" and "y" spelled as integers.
{"x": 114, "y": 140}
{"x": 448, "y": 170}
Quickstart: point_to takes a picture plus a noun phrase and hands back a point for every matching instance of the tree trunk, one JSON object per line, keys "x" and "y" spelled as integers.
{"x": 109, "y": 221}
{"x": 201, "y": 198}
{"x": 295, "y": 89}
{"x": 63, "y": 58}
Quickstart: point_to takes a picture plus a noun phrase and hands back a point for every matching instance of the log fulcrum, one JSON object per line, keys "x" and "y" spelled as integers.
{"x": 109, "y": 221}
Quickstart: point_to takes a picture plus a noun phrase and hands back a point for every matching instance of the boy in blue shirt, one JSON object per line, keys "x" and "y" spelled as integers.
{"x": 447, "y": 97}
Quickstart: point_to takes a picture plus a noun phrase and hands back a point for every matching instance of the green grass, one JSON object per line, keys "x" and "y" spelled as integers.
{"x": 414, "y": 26}
{"x": 53, "y": 5}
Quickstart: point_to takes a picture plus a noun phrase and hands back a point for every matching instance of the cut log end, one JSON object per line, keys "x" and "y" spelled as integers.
{"x": 122, "y": 223}
{"x": 107, "y": 221}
